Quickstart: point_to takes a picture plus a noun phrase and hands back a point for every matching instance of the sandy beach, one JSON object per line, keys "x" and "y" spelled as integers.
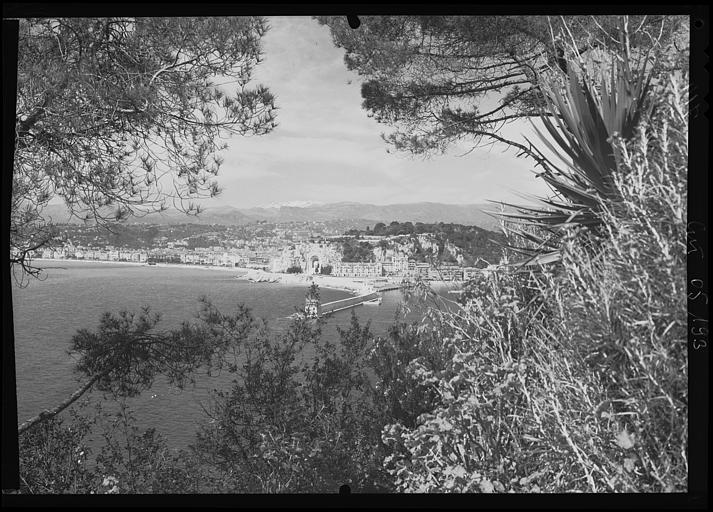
{"x": 64, "y": 260}
{"x": 354, "y": 285}
{"x": 139, "y": 264}
{"x": 357, "y": 286}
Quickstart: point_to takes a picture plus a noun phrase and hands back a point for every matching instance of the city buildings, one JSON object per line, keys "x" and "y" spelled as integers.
{"x": 275, "y": 249}
{"x": 357, "y": 269}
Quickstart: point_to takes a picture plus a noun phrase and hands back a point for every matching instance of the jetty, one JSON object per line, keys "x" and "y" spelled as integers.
{"x": 373, "y": 297}
{"x": 388, "y": 287}
{"x": 369, "y": 295}
{"x": 338, "y": 305}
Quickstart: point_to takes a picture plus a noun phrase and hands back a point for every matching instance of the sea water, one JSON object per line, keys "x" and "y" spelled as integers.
{"x": 73, "y": 295}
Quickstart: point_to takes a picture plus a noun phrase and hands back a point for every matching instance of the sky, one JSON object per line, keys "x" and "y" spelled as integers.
{"x": 326, "y": 149}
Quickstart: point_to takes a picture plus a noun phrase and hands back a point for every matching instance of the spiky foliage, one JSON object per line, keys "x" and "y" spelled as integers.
{"x": 582, "y": 120}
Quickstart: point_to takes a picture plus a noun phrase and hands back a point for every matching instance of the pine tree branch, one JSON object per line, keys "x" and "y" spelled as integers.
{"x": 51, "y": 413}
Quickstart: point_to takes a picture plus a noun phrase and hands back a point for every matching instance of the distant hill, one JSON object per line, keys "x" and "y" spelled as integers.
{"x": 466, "y": 214}
{"x": 226, "y": 215}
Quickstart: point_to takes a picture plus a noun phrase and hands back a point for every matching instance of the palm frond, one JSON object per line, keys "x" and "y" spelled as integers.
{"x": 580, "y": 121}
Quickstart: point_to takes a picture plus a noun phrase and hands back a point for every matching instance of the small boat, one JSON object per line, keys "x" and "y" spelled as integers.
{"x": 152, "y": 263}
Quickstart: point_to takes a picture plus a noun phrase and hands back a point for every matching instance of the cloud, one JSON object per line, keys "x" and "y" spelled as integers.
{"x": 327, "y": 149}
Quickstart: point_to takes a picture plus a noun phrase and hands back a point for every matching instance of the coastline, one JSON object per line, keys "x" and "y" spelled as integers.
{"x": 348, "y": 284}
{"x": 60, "y": 260}
{"x": 140, "y": 264}
{"x": 356, "y": 286}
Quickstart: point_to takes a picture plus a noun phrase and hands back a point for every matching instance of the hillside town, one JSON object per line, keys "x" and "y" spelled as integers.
{"x": 294, "y": 249}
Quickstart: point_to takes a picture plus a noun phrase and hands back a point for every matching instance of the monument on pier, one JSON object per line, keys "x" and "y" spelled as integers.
{"x": 313, "y": 308}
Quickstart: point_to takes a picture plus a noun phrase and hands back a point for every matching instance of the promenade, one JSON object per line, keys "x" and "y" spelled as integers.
{"x": 359, "y": 286}
{"x": 355, "y": 285}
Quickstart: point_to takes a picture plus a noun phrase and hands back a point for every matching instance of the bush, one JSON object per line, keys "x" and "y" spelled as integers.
{"x": 54, "y": 455}
{"x": 298, "y": 417}
{"x": 295, "y": 269}
{"x": 132, "y": 461}
{"x": 571, "y": 378}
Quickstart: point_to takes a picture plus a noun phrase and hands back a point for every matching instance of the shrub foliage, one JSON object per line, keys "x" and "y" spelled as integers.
{"x": 573, "y": 378}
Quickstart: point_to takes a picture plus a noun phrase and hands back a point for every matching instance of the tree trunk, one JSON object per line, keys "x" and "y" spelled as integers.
{"x": 51, "y": 413}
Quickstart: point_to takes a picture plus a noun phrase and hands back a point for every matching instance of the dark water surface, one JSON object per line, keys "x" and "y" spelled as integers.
{"x": 75, "y": 294}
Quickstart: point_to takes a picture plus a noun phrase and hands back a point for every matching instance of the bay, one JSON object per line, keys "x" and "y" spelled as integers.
{"x": 73, "y": 295}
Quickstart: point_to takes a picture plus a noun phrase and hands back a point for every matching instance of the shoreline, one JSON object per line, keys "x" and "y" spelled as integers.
{"x": 346, "y": 284}
{"x": 144, "y": 264}
{"x": 356, "y": 286}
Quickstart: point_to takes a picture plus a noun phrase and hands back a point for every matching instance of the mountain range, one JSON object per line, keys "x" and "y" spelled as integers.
{"x": 360, "y": 213}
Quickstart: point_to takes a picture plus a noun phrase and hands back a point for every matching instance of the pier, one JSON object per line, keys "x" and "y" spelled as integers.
{"x": 338, "y": 305}
{"x": 313, "y": 309}
{"x": 388, "y": 287}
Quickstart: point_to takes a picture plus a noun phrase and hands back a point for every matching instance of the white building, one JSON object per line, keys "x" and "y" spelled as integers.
{"x": 357, "y": 269}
